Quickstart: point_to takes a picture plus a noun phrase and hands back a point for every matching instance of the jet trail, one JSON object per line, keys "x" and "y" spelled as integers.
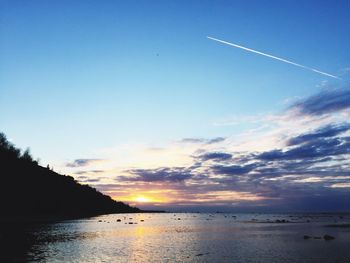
{"x": 274, "y": 57}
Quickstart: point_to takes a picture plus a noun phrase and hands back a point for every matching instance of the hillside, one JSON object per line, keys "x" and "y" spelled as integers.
{"x": 28, "y": 189}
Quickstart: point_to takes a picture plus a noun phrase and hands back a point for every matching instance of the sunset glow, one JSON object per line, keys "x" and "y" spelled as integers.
{"x": 142, "y": 199}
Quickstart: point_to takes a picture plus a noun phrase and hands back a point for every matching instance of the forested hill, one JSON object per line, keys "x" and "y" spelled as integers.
{"x": 29, "y": 189}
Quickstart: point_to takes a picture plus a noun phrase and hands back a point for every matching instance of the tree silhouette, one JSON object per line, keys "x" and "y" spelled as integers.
{"x": 30, "y": 189}
{"x": 26, "y": 156}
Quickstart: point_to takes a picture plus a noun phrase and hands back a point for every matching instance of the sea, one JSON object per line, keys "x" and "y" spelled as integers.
{"x": 181, "y": 237}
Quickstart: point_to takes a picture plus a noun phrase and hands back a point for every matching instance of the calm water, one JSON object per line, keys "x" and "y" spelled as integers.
{"x": 179, "y": 238}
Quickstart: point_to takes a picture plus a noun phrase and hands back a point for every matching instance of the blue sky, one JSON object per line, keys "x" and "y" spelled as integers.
{"x": 89, "y": 79}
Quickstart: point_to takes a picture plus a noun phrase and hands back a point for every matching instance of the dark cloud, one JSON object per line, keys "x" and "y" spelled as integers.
{"x": 93, "y": 180}
{"x": 89, "y": 172}
{"x": 217, "y": 156}
{"x": 302, "y": 164}
{"x": 324, "y": 132}
{"x": 160, "y": 174}
{"x": 234, "y": 169}
{"x": 81, "y": 162}
{"x": 307, "y": 169}
{"x": 328, "y": 101}
{"x": 313, "y": 149}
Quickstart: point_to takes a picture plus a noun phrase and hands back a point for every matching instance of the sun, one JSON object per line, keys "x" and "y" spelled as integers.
{"x": 142, "y": 199}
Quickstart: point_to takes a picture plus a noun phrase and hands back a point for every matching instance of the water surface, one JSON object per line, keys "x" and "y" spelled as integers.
{"x": 183, "y": 237}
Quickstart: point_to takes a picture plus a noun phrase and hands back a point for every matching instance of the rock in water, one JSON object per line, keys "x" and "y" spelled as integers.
{"x": 328, "y": 237}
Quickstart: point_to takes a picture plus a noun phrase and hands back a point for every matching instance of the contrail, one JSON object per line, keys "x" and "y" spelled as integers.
{"x": 274, "y": 57}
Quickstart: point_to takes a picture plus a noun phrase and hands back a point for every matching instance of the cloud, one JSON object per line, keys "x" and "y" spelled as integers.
{"x": 82, "y": 162}
{"x": 341, "y": 185}
{"x": 216, "y": 140}
{"x": 218, "y": 156}
{"x": 330, "y": 130}
{"x": 233, "y": 169}
{"x": 192, "y": 140}
{"x": 160, "y": 174}
{"x": 328, "y": 101}
{"x": 202, "y": 140}
{"x": 93, "y": 180}
{"x": 89, "y": 172}
{"x": 312, "y": 149}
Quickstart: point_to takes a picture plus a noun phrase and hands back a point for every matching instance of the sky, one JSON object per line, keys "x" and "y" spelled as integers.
{"x": 132, "y": 98}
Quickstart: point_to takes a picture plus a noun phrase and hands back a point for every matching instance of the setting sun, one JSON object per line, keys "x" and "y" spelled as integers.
{"x": 142, "y": 199}
{"x": 145, "y": 197}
